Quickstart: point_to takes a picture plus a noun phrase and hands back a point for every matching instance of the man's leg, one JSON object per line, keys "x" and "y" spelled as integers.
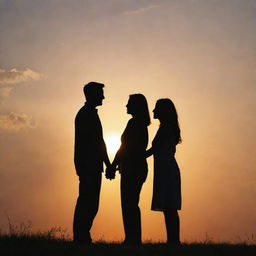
{"x": 86, "y": 207}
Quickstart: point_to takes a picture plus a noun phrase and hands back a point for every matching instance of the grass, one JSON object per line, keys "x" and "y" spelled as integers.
{"x": 20, "y": 240}
{"x": 44, "y": 246}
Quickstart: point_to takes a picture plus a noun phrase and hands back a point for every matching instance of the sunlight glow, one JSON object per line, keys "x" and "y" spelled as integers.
{"x": 113, "y": 143}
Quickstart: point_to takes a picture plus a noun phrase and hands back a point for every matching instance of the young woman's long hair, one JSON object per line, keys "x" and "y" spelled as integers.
{"x": 168, "y": 115}
{"x": 140, "y": 107}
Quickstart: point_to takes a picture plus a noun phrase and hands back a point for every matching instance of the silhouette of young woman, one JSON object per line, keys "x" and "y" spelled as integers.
{"x": 132, "y": 164}
{"x": 167, "y": 185}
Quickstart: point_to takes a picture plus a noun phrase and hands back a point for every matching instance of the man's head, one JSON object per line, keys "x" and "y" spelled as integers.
{"x": 94, "y": 94}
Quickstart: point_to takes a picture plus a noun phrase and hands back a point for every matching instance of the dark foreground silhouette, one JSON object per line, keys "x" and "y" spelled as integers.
{"x": 167, "y": 183}
{"x": 90, "y": 153}
{"x": 22, "y": 240}
{"x": 31, "y": 245}
{"x": 132, "y": 165}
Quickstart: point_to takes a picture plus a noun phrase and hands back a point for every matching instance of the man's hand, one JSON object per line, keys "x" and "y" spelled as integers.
{"x": 110, "y": 173}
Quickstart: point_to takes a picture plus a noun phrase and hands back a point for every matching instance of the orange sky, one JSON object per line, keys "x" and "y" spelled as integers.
{"x": 199, "y": 53}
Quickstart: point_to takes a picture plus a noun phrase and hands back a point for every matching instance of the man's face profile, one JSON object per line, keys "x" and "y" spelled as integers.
{"x": 99, "y": 97}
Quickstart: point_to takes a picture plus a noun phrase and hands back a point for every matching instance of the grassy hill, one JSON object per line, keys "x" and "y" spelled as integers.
{"x": 21, "y": 240}
{"x": 45, "y": 244}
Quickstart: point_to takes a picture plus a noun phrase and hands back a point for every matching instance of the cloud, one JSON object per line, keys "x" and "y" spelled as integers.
{"x": 5, "y": 93}
{"x": 16, "y": 122}
{"x": 142, "y": 9}
{"x": 14, "y": 76}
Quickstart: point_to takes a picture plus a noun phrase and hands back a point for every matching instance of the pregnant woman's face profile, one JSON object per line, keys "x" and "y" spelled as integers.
{"x": 130, "y": 107}
{"x": 156, "y": 111}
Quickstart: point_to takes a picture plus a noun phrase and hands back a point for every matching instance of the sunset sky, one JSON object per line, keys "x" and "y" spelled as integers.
{"x": 199, "y": 53}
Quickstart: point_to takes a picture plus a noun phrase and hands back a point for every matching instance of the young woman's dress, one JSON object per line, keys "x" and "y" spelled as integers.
{"x": 167, "y": 184}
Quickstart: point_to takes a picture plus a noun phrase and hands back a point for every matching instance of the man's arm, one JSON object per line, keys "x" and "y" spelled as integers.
{"x": 105, "y": 155}
{"x": 149, "y": 152}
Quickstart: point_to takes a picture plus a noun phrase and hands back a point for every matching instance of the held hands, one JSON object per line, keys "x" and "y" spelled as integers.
{"x": 110, "y": 172}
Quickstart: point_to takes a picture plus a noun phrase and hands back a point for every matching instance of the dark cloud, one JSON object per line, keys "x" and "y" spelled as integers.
{"x": 16, "y": 122}
{"x": 14, "y": 76}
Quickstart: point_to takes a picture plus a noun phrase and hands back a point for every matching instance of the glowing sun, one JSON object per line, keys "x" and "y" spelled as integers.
{"x": 113, "y": 143}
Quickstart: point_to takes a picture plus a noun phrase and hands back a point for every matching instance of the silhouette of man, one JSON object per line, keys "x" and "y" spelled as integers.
{"x": 90, "y": 153}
